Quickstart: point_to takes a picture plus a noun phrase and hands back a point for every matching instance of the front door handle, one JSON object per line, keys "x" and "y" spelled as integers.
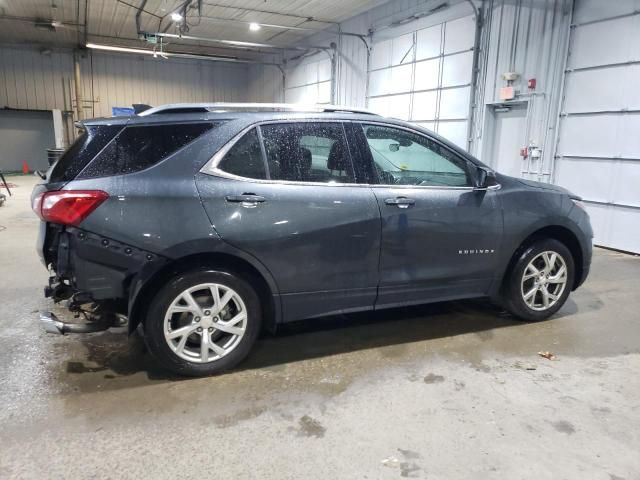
{"x": 246, "y": 198}
{"x": 400, "y": 202}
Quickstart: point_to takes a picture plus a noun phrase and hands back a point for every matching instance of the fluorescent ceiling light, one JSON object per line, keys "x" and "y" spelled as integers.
{"x": 176, "y": 17}
{"x": 113, "y": 48}
{"x": 254, "y": 27}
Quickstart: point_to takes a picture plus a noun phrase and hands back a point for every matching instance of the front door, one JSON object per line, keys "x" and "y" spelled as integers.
{"x": 284, "y": 194}
{"x": 440, "y": 237}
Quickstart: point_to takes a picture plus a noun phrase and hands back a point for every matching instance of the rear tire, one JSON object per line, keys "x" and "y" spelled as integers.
{"x": 203, "y": 322}
{"x": 540, "y": 281}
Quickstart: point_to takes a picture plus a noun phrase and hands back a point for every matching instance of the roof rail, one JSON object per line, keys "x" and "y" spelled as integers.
{"x": 248, "y": 107}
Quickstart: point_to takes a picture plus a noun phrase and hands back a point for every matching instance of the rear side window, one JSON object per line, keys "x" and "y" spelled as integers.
{"x": 93, "y": 139}
{"x": 139, "y": 147}
{"x": 245, "y": 158}
{"x": 307, "y": 152}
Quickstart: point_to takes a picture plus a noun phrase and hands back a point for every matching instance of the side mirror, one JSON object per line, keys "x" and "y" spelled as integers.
{"x": 485, "y": 179}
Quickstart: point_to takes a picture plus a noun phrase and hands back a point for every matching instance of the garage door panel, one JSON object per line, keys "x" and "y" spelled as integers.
{"x": 627, "y": 183}
{"x": 424, "y": 105}
{"x": 455, "y": 132}
{"x": 401, "y": 49}
{"x": 324, "y": 71}
{"x": 615, "y": 226}
{"x": 629, "y": 136}
{"x": 432, "y": 83}
{"x": 596, "y": 9}
{"x": 456, "y": 69}
{"x": 396, "y": 106}
{"x": 324, "y": 92}
{"x": 594, "y": 90}
{"x": 428, "y": 42}
{"x": 427, "y": 74}
{"x": 607, "y": 42}
{"x": 585, "y": 177}
{"x": 454, "y": 103}
{"x": 459, "y": 35}
{"x": 610, "y": 135}
{"x": 381, "y": 55}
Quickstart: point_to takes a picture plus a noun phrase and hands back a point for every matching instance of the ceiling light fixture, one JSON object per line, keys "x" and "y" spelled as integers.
{"x": 254, "y": 27}
{"x": 176, "y": 17}
{"x": 113, "y": 48}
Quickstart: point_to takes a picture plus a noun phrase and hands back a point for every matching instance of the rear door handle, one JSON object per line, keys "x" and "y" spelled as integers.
{"x": 246, "y": 198}
{"x": 400, "y": 202}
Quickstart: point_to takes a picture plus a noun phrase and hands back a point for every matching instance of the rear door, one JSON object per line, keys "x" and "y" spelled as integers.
{"x": 440, "y": 237}
{"x": 285, "y": 193}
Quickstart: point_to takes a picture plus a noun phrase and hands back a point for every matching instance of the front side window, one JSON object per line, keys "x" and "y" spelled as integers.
{"x": 245, "y": 158}
{"x": 138, "y": 147}
{"x": 401, "y": 157}
{"x": 307, "y": 152}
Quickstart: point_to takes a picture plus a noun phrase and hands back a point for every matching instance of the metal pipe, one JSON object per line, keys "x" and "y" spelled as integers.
{"x": 474, "y": 72}
{"x": 138, "y": 13}
{"x": 77, "y": 84}
{"x": 556, "y": 134}
{"x": 235, "y": 43}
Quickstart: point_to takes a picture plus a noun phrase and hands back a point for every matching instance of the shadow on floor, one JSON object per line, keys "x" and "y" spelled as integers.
{"x": 112, "y": 354}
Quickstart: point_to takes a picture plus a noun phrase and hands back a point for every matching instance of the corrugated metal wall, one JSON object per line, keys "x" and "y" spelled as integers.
{"x": 30, "y": 79}
{"x": 528, "y": 37}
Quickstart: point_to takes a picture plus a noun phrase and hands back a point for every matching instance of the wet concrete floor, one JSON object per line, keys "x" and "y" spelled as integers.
{"x": 446, "y": 391}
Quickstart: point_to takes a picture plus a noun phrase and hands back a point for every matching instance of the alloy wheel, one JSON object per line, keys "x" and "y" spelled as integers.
{"x": 205, "y": 322}
{"x": 544, "y": 280}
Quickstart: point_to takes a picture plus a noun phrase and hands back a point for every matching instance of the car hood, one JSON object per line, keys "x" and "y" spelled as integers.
{"x": 543, "y": 186}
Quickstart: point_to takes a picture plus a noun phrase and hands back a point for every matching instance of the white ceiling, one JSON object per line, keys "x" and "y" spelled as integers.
{"x": 114, "y": 21}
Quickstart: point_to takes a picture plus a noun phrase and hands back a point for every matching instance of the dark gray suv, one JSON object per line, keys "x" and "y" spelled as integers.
{"x": 204, "y": 223}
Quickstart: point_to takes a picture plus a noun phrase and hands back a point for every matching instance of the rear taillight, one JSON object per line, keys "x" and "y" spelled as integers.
{"x": 68, "y": 207}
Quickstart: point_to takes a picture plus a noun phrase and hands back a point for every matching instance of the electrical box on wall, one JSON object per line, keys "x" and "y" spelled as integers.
{"x": 531, "y": 83}
{"x": 507, "y": 93}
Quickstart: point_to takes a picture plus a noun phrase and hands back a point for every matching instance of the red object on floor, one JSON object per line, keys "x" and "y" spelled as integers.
{"x": 25, "y": 167}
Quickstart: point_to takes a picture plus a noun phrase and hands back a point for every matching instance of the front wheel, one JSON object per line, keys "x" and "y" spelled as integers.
{"x": 540, "y": 280}
{"x": 203, "y": 322}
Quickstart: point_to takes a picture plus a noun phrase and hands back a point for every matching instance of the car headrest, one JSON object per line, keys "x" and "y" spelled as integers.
{"x": 337, "y": 157}
{"x": 295, "y": 162}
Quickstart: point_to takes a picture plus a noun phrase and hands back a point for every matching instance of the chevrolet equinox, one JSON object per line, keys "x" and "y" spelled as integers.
{"x": 204, "y": 223}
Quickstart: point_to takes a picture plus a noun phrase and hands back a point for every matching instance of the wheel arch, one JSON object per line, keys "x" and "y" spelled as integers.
{"x": 265, "y": 288}
{"x": 557, "y": 232}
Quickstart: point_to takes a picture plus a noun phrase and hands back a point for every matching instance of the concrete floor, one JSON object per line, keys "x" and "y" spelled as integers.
{"x": 446, "y": 391}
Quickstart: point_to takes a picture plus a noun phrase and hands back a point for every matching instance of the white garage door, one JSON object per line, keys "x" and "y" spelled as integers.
{"x": 309, "y": 82}
{"x": 425, "y": 77}
{"x": 598, "y": 154}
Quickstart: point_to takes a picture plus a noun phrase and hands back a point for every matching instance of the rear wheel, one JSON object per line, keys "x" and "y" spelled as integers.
{"x": 203, "y": 322}
{"x": 540, "y": 280}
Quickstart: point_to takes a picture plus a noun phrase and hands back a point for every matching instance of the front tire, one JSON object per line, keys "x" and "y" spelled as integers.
{"x": 540, "y": 281}
{"x": 203, "y": 322}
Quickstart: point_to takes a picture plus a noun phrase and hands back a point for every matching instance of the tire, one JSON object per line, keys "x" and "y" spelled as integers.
{"x": 187, "y": 305}
{"x": 517, "y": 292}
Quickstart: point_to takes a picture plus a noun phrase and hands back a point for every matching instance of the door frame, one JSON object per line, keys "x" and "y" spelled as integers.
{"x": 489, "y": 127}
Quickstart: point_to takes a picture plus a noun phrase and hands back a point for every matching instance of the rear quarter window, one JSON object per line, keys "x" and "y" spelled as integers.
{"x": 139, "y": 147}
{"x": 93, "y": 139}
